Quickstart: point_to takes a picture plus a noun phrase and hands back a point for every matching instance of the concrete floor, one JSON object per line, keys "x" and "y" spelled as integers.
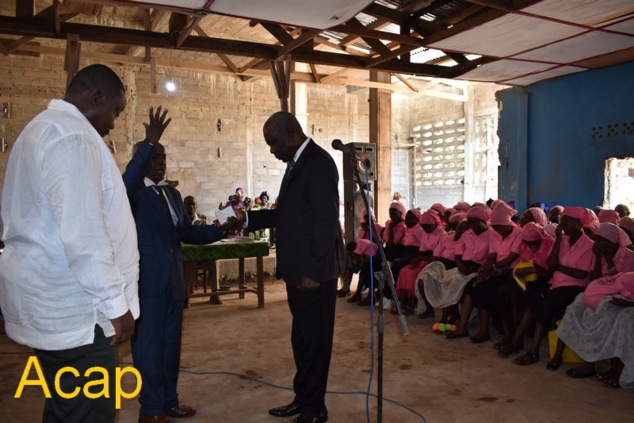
{"x": 444, "y": 381}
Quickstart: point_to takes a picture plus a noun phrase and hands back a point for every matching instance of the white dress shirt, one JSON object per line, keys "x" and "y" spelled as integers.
{"x": 70, "y": 259}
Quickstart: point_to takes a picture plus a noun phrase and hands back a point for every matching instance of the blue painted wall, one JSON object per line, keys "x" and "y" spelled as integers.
{"x": 556, "y": 135}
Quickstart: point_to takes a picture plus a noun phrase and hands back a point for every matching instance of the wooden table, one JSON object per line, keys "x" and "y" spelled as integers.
{"x": 206, "y": 256}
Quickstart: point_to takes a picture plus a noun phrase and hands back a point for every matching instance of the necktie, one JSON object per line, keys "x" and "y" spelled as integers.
{"x": 289, "y": 167}
{"x": 163, "y": 198}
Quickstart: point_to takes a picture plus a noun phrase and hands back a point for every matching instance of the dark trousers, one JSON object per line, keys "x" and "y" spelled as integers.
{"x": 552, "y": 303}
{"x": 80, "y": 409}
{"x": 311, "y": 337}
{"x": 484, "y": 294}
{"x": 156, "y": 349}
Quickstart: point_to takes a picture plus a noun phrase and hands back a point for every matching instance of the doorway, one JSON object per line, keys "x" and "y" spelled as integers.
{"x": 619, "y": 182}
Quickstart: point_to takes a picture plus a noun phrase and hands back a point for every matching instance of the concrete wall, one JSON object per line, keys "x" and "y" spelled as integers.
{"x": 556, "y": 135}
{"x": 410, "y": 110}
{"x": 214, "y": 143}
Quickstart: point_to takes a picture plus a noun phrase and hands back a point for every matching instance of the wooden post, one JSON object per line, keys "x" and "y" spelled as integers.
{"x": 71, "y": 61}
{"x": 381, "y": 135}
{"x": 281, "y": 73}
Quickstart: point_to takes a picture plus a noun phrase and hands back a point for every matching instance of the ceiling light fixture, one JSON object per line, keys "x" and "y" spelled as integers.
{"x": 170, "y": 85}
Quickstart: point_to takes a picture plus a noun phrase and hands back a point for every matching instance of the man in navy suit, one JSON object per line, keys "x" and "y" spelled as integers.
{"x": 162, "y": 224}
{"x": 309, "y": 257}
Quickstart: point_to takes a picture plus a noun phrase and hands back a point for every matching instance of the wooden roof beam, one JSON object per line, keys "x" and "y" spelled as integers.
{"x": 24, "y": 8}
{"x": 122, "y": 36}
{"x": 375, "y": 44}
{"x": 380, "y": 35}
{"x": 278, "y": 32}
{"x": 305, "y": 37}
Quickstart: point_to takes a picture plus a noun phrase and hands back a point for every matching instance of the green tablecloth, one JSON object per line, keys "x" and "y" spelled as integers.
{"x": 224, "y": 250}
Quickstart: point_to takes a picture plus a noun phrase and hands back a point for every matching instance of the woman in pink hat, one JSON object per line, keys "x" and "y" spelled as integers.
{"x": 533, "y": 214}
{"x": 394, "y": 231}
{"x": 612, "y": 254}
{"x": 442, "y": 259}
{"x": 432, "y": 234}
{"x": 535, "y": 247}
{"x": 444, "y": 289}
{"x": 496, "y": 272}
{"x": 599, "y": 325}
{"x": 571, "y": 260}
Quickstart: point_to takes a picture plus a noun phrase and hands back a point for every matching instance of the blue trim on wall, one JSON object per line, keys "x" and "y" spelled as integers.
{"x": 571, "y": 126}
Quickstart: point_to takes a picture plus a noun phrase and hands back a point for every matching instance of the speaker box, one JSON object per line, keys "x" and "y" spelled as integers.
{"x": 353, "y": 201}
{"x": 367, "y": 152}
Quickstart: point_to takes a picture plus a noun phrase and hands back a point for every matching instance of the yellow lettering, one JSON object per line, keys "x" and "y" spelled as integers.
{"x": 58, "y": 388}
{"x": 40, "y": 381}
{"x": 103, "y": 381}
{"x": 119, "y": 392}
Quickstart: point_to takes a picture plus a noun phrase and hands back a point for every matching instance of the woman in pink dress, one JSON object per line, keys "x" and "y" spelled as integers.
{"x": 444, "y": 288}
{"x": 511, "y": 299}
{"x": 571, "y": 261}
{"x": 611, "y": 251}
{"x": 495, "y": 273}
{"x": 432, "y": 234}
{"x": 599, "y": 325}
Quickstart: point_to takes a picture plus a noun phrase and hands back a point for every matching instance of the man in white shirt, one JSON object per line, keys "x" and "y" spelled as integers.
{"x": 69, "y": 271}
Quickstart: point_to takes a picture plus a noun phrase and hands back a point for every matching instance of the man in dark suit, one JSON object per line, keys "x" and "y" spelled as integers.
{"x": 309, "y": 257}
{"x": 162, "y": 224}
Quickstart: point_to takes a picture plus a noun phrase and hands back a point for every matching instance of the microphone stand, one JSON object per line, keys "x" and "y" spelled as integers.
{"x": 384, "y": 276}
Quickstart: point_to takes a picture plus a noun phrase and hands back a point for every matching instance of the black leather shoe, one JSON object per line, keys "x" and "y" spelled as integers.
{"x": 180, "y": 411}
{"x": 146, "y": 418}
{"x": 312, "y": 417}
{"x": 286, "y": 410}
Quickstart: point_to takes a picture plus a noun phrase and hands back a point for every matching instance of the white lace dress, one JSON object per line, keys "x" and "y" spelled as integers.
{"x": 602, "y": 334}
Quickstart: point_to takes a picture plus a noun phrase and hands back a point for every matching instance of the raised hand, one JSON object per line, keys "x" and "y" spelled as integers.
{"x": 154, "y": 130}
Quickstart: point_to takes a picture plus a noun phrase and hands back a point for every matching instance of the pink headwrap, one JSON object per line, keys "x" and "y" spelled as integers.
{"x": 501, "y": 214}
{"x": 495, "y": 203}
{"x": 364, "y": 217}
{"x": 538, "y": 215}
{"x": 462, "y": 206}
{"x": 457, "y": 217}
{"x": 627, "y": 222}
{"x": 482, "y": 213}
{"x": 582, "y": 214}
{"x": 415, "y": 212}
{"x": 438, "y": 207}
{"x": 551, "y": 230}
{"x": 609, "y": 216}
{"x": 363, "y": 247}
{"x": 533, "y": 232}
{"x": 614, "y": 234}
{"x": 398, "y": 206}
{"x": 594, "y": 224}
{"x": 430, "y": 217}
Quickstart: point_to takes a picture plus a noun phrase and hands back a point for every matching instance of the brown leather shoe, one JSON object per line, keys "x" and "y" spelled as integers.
{"x": 180, "y": 411}
{"x": 146, "y": 418}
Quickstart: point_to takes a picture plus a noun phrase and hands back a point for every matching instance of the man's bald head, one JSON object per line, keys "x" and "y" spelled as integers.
{"x": 284, "y": 135}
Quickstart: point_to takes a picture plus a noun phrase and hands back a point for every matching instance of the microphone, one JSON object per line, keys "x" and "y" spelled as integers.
{"x": 345, "y": 148}
{"x": 349, "y": 149}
